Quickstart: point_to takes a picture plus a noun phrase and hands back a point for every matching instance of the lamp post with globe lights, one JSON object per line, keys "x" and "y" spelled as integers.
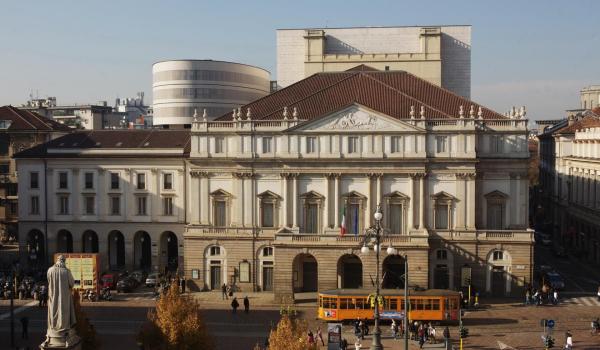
{"x": 373, "y": 237}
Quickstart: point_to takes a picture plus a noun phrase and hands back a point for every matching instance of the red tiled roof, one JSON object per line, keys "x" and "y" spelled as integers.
{"x": 23, "y": 120}
{"x": 585, "y": 122}
{"x": 389, "y": 92}
{"x": 113, "y": 139}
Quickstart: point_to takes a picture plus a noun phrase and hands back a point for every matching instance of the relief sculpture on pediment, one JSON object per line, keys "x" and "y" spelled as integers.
{"x": 356, "y": 120}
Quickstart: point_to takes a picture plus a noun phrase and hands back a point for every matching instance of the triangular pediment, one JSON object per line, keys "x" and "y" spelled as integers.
{"x": 496, "y": 195}
{"x": 356, "y": 118}
{"x": 397, "y": 195}
{"x": 269, "y": 194}
{"x": 220, "y": 193}
{"x": 442, "y": 195}
{"x": 355, "y": 195}
{"x": 312, "y": 194}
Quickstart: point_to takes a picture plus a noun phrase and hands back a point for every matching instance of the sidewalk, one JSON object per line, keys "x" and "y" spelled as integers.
{"x": 214, "y": 298}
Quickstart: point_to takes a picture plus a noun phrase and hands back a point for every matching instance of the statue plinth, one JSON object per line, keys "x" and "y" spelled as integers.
{"x": 70, "y": 341}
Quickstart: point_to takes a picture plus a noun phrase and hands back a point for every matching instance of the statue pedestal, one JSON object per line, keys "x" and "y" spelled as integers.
{"x": 76, "y": 346}
{"x": 69, "y": 341}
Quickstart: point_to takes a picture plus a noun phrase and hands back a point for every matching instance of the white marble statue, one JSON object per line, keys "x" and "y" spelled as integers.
{"x": 61, "y": 311}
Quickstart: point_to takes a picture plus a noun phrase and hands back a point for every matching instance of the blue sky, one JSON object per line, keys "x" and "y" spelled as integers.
{"x": 533, "y": 53}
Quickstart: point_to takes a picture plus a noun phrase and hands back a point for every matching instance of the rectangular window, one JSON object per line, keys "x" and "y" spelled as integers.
{"x": 63, "y": 205}
{"x": 495, "y": 216}
{"x": 168, "y": 181}
{"x": 214, "y": 250}
{"x": 219, "y": 143}
{"x": 441, "y": 217}
{"x": 311, "y": 144}
{"x": 141, "y": 205}
{"x": 353, "y": 144}
{"x": 12, "y": 208}
{"x": 34, "y": 180}
{"x": 168, "y": 206}
{"x": 62, "y": 180}
{"x": 220, "y": 213}
{"x": 89, "y": 181}
{"x": 498, "y": 255}
{"x": 396, "y": 143}
{"x": 441, "y": 143}
{"x": 34, "y": 208}
{"x": 353, "y": 218}
{"x": 267, "y": 215}
{"x": 266, "y": 144}
{"x": 244, "y": 271}
{"x": 114, "y": 181}
{"x": 90, "y": 203}
{"x": 496, "y": 144}
{"x": 115, "y": 205}
{"x": 141, "y": 181}
{"x": 396, "y": 218}
{"x": 311, "y": 219}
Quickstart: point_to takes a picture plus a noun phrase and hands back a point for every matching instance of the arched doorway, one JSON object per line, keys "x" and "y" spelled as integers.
{"x": 142, "y": 250}
{"x": 305, "y": 274}
{"x": 116, "y": 250}
{"x": 216, "y": 267}
{"x": 64, "y": 242}
{"x": 89, "y": 242}
{"x": 36, "y": 247}
{"x": 393, "y": 272}
{"x": 169, "y": 251}
{"x": 266, "y": 261}
{"x": 498, "y": 280}
{"x": 349, "y": 271}
{"x": 441, "y": 267}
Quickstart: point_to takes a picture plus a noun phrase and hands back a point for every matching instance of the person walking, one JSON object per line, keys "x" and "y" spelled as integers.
{"x": 246, "y": 304}
{"x": 224, "y": 291}
{"x": 421, "y": 336}
{"x": 234, "y": 305}
{"x": 395, "y": 329}
{"x": 343, "y": 344}
{"x": 24, "y": 327}
{"x": 527, "y": 296}
{"x": 569, "y": 344}
{"x": 432, "y": 334}
{"x": 446, "y": 336}
{"x": 555, "y": 297}
{"x": 311, "y": 339}
{"x": 357, "y": 327}
{"x": 362, "y": 330}
{"x": 320, "y": 335}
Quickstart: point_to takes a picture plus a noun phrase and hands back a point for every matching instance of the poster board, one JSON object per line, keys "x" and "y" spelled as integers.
{"x": 334, "y": 336}
{"x": 84, "y": 268}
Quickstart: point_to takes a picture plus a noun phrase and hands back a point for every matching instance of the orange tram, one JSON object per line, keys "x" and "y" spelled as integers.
{"x": 427, "y": 305}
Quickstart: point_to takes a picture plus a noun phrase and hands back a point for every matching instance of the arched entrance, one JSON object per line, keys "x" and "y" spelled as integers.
{"x": 116, "y": 250}
{"x": 349, "y": 271}
{"x": 36, "y": 247}
{"x": 89, "y": 242}
{"x": 393, "y": 272}
{"x": 441, "y": 267}
{"x": 305, "y": 274}
{"x": 142, "y": 250}
{"x": 64, "y": 242}
{"x": 169, "y": 251}
{"x": 498, "y": 280}
{"x": 216, "y": 267}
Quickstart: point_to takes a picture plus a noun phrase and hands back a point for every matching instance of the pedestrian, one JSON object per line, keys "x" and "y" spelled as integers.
{"x": 357, "y": 327}
{"x": 527, "y": 296}
{"x": 234, "y": 305}
{"x": 395, "y": 329}
{"x": 246, "y": 304}
{"x": 421, "y": 337}
{"x": 311, "y": 339}
{"x": 343, "y": 344}
{"x": 536, "y": 298}
{"x": 555, "y": 297}
{"x": 320, "y": 335}
{"x": 432, "y": 334}
{"x": 182, "y": 284}
{"x": 569, "y": 344}
{"x": 224, "y": 291}
{"x": 24, "y": 327}
{"x": 362, "y": 330}
{"x": 366, "y": 325}
{"x": 357, "y": 344}
{"x": 446, "y": 336}
{"x": 598, "y": 293}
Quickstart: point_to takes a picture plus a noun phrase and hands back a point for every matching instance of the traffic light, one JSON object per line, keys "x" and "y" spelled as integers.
{"x": 463, "y": 331}
{"x": 549, "y": 342}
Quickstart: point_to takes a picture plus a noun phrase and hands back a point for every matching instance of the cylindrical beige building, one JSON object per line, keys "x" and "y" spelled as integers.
{"x": 181, "y": 86}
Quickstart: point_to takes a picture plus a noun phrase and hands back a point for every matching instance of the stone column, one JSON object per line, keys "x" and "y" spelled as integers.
{"x": 295, "y": 200}
{"x": 462, "y": 201}
{"x": 286, "y": 200}
{"x": 413, "y": 203}
{"x": 518, "y": 201}
{"x": 194, "y": 200}
{"x": 336, "y": 199}
{"x": 154, "y": 199}
{"x": 326, "y": 204}
{"x": 470, "y": 206}
{"x": 247, "y": 199}
{"x": 204, "y": 198}
{"x": 422, "y": 201}
{"x": 379, "y": 188}
{"x": 369, "y": 199}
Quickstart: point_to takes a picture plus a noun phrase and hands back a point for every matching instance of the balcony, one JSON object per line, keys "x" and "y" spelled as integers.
{"x": 485, "y": 236}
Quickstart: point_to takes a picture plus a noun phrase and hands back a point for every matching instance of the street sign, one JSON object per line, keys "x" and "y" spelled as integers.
{"x": 392, "y": 314}
{"x": 550, "y": 323}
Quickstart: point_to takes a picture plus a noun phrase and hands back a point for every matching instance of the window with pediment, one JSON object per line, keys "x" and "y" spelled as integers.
{"x": 496, "y": 209}
{"x": 396, "y": 212}
{"x": 269, "y": 209}
{"x": 442, "y": 210}
{"x": 312, "y": 207}
{"x": 354, "y": 204}
{"x": 221, "y": 203}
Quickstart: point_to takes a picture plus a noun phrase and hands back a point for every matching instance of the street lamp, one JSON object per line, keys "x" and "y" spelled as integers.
{"x": 373, "y": 238}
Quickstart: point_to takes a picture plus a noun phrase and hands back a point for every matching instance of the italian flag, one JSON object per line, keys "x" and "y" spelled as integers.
{"x": 343, "y": 225}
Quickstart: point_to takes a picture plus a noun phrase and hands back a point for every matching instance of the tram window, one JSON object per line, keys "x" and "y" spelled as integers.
{"x": 427, "y": 304}
{"x": 333, "y": 303}
{"x": 320, "y": 301}
{"x": 435, "y": 304}
{"x": 359, "y": 303}
{"x": 401, "y": 304}
{"x": 413, "y": 304}
{"x": 446, "y": 304}
{"x": 326, "y": 303}
{"x": 352, "y": 303}
{"x": 420, "y": 304}
{"x": 344, "y": 303}
{"x": 393, "y": 303}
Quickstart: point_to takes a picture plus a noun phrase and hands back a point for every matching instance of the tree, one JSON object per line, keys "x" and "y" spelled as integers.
{"x": 290, "y": 334}
{"x": 176, "y": 324}
{"x": 85, "y": 330}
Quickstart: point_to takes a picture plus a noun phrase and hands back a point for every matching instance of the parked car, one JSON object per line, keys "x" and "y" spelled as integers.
{"x": 110, "y": 279}
{"x": 126, "y": 285}
{"x": 140, "y": 276}
{"x": 153, "y": 279}
{"x": 555, "y": 280}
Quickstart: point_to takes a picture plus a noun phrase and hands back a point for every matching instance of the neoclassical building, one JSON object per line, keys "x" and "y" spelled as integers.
{"x": 256, "y": 197}
{"x": 119, "y": 193}
{"x": 270, "y": 183}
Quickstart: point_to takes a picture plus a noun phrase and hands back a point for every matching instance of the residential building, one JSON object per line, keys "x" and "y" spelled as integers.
{"x": 438, "y": 54}
{"x": 138, "y": 114}
{"x": 19, "y": 130}
{"x": 590, "y": 97}
{"x": 569, "y": 193}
